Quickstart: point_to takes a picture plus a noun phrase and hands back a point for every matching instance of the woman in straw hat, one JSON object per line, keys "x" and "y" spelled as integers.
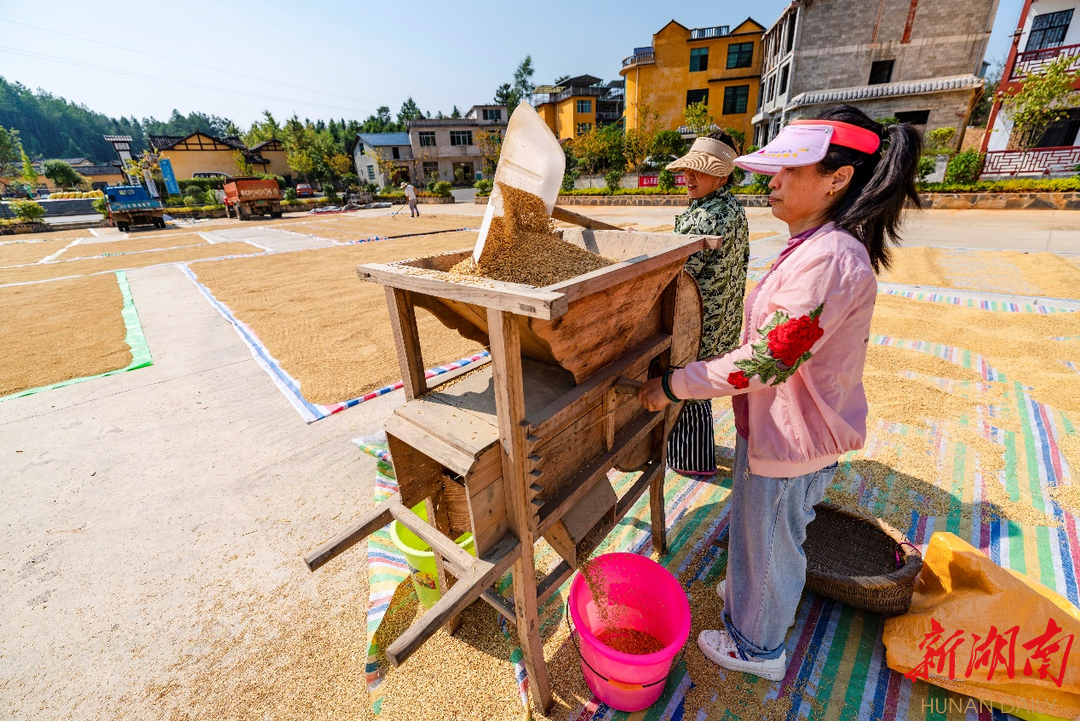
{"x": 840, "y": 182}
{"x": 721, "y": 276}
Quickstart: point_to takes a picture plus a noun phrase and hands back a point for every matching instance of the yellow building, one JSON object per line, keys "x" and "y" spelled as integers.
{"x": 576, "y": 105}
{"x": 202, "y": 153}
{"x": 720, "y": 66}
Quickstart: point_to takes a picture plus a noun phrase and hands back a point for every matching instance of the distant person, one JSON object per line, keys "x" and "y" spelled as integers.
{"x": 410, "y": 195}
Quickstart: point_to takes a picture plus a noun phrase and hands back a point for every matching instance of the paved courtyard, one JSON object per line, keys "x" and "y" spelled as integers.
{"x": 154, "y": 521}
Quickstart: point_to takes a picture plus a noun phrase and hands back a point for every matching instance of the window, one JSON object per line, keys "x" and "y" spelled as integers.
{"x": 491, "y": 114}
{"x": 792, "y": 18}
{"x": 396, "y": 152}
{"x": 914, "y": 117}
{"x": 427, "y": 138}
{"x": 783, "y": 79}
{"x": 1048, "y": 30}
{"x": 772, "y": 87}
{"x": 735, "y": 98}
{"x": 1061, "y": 133}
{"x": 740, "y": 55}
{"x": 431, "y": 171}
{"x": 584, "y": 106}
{"x": 880, "y": 72}
{"x": 371, "y": 173}
{"x": 697, "y": 96}
{"x": 461, "y": 137}
{"x": 583, "y": 128}
{"x": 699, "y": 59}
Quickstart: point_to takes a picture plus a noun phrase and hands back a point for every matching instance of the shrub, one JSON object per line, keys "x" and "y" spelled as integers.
{"x": 27, "y": 210}
{"x": 612, "y": 178}
{"x": 268, "y": 176}
{"x": 484, "y": 186}
{"x": 331, "y": 193}
{"x": 441, "y": 189}
{"x": 927, "y": 164}
{"x": 1018, "y": 185}
{"x": 666, "y": 181}
{"x": 290, "y": 194}
{"x": 939, "y": 141}
{"x": 568, "y": 179}
{"x": 203, "y": 184}
{"x": 964, "y": 167}
{"x": 191, "y": 201}
{"x": 101, "y": 207}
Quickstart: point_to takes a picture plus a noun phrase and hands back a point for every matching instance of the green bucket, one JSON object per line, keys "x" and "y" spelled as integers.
{"x": 421, "y": 559}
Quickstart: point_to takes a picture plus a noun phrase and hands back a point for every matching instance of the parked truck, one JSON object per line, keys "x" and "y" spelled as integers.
{"x": 130, "y": 205}
{"x": 245, "y": 197}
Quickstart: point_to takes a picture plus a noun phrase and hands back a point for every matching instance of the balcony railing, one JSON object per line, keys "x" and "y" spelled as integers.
{"x": 1032, "y": 61}
{"x": 718, "y": 31}
{"x": 608, "y": 115}
{"x": 640, "y": 57}
{"x": 1040, "y": 160}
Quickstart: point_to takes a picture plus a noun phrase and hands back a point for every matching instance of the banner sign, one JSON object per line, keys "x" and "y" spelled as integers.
{"x": 171, "y": 186}
{"x": 651, "y": 181}
{"x": 151, "y": 186}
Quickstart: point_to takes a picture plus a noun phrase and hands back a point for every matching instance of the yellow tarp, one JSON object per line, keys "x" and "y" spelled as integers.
{"x": 982, "y": 630}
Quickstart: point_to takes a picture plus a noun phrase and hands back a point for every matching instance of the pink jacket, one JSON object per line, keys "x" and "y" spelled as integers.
{"x": 802, "y": 368}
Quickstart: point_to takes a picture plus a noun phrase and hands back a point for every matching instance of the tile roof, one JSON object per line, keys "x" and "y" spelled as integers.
{"x": 888, "y": 90}
{"x": 378, "y": 140}
{"x": 164, "y": 142}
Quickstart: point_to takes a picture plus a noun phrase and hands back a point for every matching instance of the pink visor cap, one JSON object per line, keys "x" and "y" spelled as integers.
{"x": 806, "y": 142}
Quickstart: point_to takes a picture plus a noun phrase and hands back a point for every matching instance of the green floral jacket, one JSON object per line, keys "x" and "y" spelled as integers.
{"x": 720, "y": 274}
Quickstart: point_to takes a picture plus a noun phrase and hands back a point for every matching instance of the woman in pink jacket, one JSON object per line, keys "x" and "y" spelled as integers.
{"x": 840, "y": 182}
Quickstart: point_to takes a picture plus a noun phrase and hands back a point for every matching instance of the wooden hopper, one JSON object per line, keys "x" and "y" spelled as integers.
{"x": 520, "y": 448}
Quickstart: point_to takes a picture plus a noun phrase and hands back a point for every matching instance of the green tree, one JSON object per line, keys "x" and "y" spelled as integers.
{"x": 243, "y": 167}
{"x": 698, "y": 119}
{"x": 1039, "y": 101}
{"x": 489, "y": 142}
{"x": 29, "y": 173}
{"x": 409, "y": 111}
{"x": 939, "y": 141}
{"x": 261, "y": 130}
{"x": 61, "y": 174}
{"x": 455, "y": 113}
{"x": 980, "y": 115}
{"x": 10, "y": 153}
{"x": 668, "y": 143}
{"x": 523, "y": 84}
{"x": 504, "y": 95}
{"x": 638, "y": 141}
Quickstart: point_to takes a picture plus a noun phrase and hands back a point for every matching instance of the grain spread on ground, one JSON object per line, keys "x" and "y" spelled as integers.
{"x": 521, "y": 247}
{"x": 999, "y": 271}
{"x": 96, "y": 247}
{"x": 30, "y": 251}
{"x": 327, "y": 328}
{"x": 353, "y": 227}
{"x": 90, "y": 266}
{"x": 54, "y": 332}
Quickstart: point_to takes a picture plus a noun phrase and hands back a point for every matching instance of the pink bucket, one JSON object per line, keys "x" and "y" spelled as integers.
{"x": 640, "y": 595}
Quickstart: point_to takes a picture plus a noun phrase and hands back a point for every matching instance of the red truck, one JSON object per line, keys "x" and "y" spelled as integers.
{"x": 252, "y": 196}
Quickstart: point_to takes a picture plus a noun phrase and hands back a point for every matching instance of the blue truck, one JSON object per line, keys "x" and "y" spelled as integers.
{"x": 131, "y": 205}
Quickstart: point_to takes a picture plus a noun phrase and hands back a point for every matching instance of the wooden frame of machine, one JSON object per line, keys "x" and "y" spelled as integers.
{"x": 520, "y": 448}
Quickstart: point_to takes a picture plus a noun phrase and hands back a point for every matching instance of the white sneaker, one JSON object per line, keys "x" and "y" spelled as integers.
{"x": 720, "y": 648}
{"x": 720, "y": 589}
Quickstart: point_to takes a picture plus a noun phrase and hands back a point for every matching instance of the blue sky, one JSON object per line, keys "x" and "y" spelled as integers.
{"x": 335, "y": 59}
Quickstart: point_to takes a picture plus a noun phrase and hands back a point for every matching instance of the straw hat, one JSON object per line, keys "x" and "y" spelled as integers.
{"x": 403, "y": 184}
{"x": 708, "y": 156}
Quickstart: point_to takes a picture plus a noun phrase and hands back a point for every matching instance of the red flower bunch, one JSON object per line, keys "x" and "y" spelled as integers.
{"x": 789, "y": 341}
{"x": 738, "y": 379}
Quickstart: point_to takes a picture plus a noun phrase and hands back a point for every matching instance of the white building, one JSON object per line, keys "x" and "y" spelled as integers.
{"x": 448, "y": 148}
{"x": 393, "y": 148}
{"x": 1048, "y": 29}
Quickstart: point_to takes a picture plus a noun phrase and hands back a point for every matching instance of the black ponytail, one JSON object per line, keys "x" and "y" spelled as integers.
{"x": 871, "y": 207}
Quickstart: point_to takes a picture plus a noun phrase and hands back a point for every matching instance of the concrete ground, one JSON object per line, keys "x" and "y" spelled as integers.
{"x": 154, "y": 518}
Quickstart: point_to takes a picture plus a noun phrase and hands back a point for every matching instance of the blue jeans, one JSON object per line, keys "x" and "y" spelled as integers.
{"x": 766, "y": 567}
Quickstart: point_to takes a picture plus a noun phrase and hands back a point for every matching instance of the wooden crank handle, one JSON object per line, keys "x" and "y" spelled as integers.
{"x": 569, "y": 216}
{"x": 712, "y": 242}
{"x": 627, "y": 386}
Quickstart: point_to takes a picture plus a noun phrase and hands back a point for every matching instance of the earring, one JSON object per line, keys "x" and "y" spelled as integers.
{"x": 832, "y": 191}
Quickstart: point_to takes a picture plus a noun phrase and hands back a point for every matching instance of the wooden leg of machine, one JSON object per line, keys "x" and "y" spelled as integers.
{"x": 407, "y": 340}
{"x": 436, "y": 513}
{"x": 656, "y": 487}
{"x": 510, "y": 405}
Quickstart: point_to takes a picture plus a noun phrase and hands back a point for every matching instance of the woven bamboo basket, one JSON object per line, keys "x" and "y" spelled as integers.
{"x": 860, "y": 560}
